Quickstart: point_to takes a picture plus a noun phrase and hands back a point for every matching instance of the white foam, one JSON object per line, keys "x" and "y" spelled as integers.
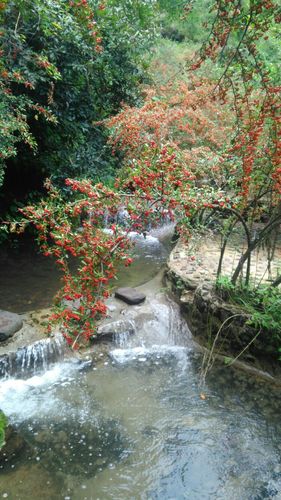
{"x": 138, "y": 237}
{"x": 141, "y": 353}
{"x": 163, "y": 232}
{"x": 16, "y": 394}
{"x": 143, "y": 239}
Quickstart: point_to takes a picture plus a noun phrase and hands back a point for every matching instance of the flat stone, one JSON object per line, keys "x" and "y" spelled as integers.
{"x": 10, "y": 323}
{"x": 129, "y": 295}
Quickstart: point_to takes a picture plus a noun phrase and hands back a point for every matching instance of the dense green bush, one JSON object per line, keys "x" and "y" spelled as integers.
{"x": 64, "y": 66}
{"x": 262, "y": 303}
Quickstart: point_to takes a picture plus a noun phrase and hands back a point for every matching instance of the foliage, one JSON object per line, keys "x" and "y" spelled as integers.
{"x": 168, "y": 59}
{"x": 262, "y": 303}
{"x": 185, "y": 117}
{"x": 3, "y": 425}
{"x": 183, "y": 20}
{"x": 192, "y": 124}
{"x": 11, "y": 225}
{"x": 246, "y": 171}
{"x": 64, "y": 65}
{"x": 156, "y": 188}
{"x": 75, "y": 228}
{"x": 248, "y": 82}
{"x": 194, "y": 149}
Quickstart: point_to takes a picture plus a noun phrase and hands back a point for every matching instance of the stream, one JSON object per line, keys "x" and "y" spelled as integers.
{"x": 127, "y": 421}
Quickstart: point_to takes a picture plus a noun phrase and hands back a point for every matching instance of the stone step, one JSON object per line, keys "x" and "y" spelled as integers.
{"x": 130, "y": 295}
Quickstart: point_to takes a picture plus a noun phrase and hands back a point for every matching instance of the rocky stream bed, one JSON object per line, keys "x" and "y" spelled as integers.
{"x": 132, "y": 417}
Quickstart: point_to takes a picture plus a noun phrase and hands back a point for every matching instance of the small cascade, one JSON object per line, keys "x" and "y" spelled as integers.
{"x": 163, "y": 232}
{"x": 33, "y": 358}
{"x": 122, "y": 217}
{"x": 122, "y": 339}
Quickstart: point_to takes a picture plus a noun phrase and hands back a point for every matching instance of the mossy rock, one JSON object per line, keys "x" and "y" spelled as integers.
{"x": 14, "y": 444}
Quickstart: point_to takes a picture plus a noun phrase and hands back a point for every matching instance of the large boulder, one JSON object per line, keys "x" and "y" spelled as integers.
{"x": 129, "y": 295}
{"x": 10, "y": 323}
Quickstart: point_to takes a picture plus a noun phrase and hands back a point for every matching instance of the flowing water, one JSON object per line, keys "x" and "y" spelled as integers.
{"x": 130, "y": 424}
{"x": 29, "y": 280}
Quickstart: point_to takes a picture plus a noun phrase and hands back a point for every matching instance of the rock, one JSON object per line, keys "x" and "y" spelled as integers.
{"x": 187, "y": 297}
{"x": 13, "y": 446}
{"x": 116, "y": 328}
{"x": 10, "y": 323}
{"x": 130, "y": 295}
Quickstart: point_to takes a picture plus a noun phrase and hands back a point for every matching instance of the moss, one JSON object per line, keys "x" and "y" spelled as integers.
{"x": 3, "y": 425}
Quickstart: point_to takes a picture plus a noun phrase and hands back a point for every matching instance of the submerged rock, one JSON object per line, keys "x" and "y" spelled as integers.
{"x": 13, "y": 446}
{"x": 10, "y": 323}
{"x": 130, "y": 295}
{"x": 81, "y": 448}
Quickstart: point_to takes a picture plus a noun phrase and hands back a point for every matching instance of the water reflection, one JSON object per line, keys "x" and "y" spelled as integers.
{"x": 29, "y": 280}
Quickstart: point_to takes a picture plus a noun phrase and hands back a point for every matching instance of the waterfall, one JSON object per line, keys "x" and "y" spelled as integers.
{"x": 32, "y": 358}
{"x": 122, "y": 339}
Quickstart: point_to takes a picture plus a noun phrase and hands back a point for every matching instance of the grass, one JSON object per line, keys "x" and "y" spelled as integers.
{"x": 263, "y": 303}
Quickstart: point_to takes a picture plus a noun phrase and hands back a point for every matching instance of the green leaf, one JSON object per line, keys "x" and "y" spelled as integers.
{"x": 3, "y": 425}
{"x": 227, "y": 360}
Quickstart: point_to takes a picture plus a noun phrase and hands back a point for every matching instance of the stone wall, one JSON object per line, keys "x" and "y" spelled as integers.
{"x": 190, "y": 275}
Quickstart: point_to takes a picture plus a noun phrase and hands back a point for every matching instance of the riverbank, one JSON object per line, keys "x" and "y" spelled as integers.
{"x": 218, "y": 325}
{"x": 190, "y": 275}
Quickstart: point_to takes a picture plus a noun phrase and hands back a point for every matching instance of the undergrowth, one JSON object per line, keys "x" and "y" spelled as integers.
{"x": 3, "y": 424}
{"x": 262, "y": 303}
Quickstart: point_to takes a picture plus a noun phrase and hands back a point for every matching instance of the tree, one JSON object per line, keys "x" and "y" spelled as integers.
{"x": 249, "y": 81}
{"x": 183, "y": 156}
{"x": 64, "y": 65}
{"x": 247, "y": 169}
